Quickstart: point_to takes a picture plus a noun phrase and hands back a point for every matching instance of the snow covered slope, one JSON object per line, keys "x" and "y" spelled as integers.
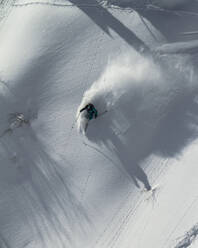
{"x": 61, "y": 189}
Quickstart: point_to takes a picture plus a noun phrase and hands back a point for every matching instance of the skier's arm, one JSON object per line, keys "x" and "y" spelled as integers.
{"x": 83, "y": 109}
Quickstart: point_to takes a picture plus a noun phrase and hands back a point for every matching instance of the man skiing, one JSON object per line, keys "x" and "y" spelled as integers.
{"x": 91, "y": 112}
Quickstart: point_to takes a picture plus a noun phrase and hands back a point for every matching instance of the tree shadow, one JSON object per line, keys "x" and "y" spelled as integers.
{"x": 105, "y": 20}
{"x": 173, "y": 24}
{"x": 44, "y": 183}
{"x": 27, "y": 165}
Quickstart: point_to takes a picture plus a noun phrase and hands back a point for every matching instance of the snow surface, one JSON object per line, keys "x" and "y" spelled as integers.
{"x": 168, "y": 4}
{"x": 178, "y": 47}
{"x": 132, "y": 180}
{"x": 171, "y": 3}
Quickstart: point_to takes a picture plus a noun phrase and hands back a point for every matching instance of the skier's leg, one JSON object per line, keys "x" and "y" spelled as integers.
{"x": 86, "y": 121}
{"x": 86, "y": 126}
{"x": 83, "y": 125}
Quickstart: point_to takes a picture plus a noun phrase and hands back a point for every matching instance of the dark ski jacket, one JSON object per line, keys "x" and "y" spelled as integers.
{"x": 91, "y": 111}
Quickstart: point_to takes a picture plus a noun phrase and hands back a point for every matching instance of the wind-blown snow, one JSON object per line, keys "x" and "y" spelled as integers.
{"x": 122, "y": 76}
{"x": 142, "y": 84}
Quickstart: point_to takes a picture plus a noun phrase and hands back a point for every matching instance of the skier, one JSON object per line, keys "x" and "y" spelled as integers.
{"x": 91, "y": 112}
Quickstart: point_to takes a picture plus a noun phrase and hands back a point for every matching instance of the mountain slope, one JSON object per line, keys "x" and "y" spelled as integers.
{"x": 60, "y": 189}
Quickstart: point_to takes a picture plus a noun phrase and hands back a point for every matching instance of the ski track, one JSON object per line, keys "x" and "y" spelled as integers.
{"x": 189, "y": 207}
{"x": 125, "y": 213}
{"x": 85, "y": 85}
{"x": 130, "y": 212}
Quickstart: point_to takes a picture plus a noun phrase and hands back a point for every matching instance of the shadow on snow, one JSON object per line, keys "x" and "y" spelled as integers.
{"x": 105, "y": 20}
{"x": 154, "y": 118}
